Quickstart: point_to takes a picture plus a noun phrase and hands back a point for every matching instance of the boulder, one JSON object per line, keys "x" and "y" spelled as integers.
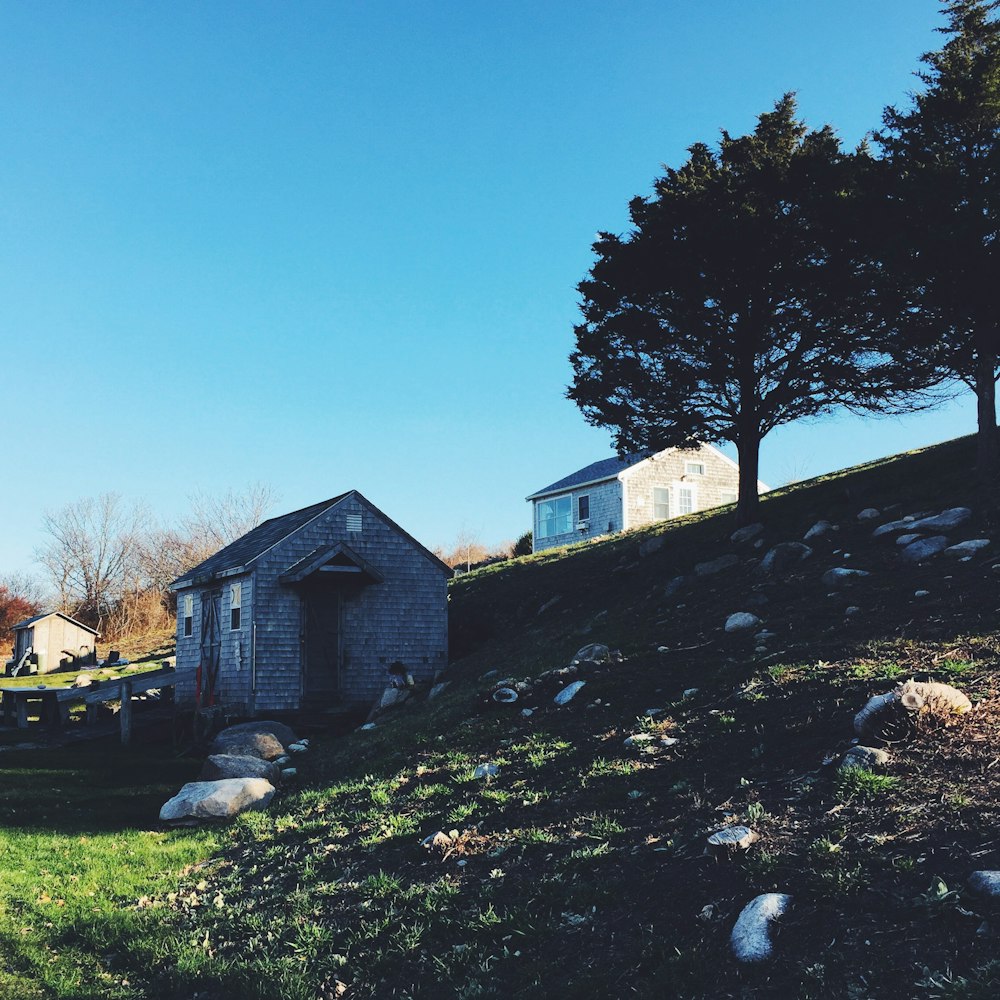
{"x": 818, "y": 530}
{"x": 986, "y": 884}
{"x": 751, "y": 937}
{"x": 218, "y": 766}
{"x": 783, "y": 556}
{"x": 924, "y": 548}
{"x": 596, "y": 652}
{"x": 198, "y": 801}
{"x": 746, "y": 534}
{"x": 861, "y": 758}
{"x": 247, "y": 744}
{"x": 947, "y": 520}
{"x": 969, "y": 548}
{"x": 282, "y": 733}
{"x": 568, "y": 693}
{"x": 741, "y": 621}
{"x": 840, "y": 577}
{"x": 719, "y": 565}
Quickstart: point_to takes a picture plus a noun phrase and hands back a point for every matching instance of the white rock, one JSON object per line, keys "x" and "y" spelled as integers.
{"x": 486, "y": 771}
{"x": 751, "y": 937}
{"x": 596, "y": 652}
{"x": 568, "y": 693}
{"x": 869, "y": 514}
{"x": 732, "y": 838}
{"x": 741, "y": 621}
{"x": 669, "y": 741}
{"x": 216, "y": 800}
{"x": 969, "y": 548}
{"x": 82, "y": 681}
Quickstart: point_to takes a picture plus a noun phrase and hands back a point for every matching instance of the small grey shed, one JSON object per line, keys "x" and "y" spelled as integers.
{"x": 309, "y": 609}
{"x": 52, "y": 641}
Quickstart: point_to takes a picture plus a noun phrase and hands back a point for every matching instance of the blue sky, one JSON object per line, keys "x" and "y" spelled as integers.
{"x": 335, "y": 245}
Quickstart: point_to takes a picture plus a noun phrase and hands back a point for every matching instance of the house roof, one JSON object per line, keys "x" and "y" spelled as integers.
{"x": 54, "y": 614}
{"x": 237, "y": 556}
{"x": 607, "y": 468}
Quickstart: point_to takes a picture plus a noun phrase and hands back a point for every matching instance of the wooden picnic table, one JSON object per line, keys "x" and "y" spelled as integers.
{"x": 56, "y": 701}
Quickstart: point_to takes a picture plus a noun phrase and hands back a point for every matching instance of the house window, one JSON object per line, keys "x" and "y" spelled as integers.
{"x": 235, "y": 605}
{"x": 694, "y": 468}
{"x": 661, "y": 503}
{"x": 354, "y": 522}
{"x": 583, "y": 508}
{"x": 188, "y": 615}
{"x": 685, "y": 500}
{"x": 555, "y": 517}
{"x": 729, "y": 496}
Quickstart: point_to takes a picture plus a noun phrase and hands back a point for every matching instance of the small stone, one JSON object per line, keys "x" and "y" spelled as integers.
{"x": 841, "y": 577}
{"x": 568, "y": 693}
{"x": 818, "y": 530}
{"x": 297, "y": 747}
{"x": 504, "y": 696}
{"x": 368, "y": 725}
{"x": 851, "y": 611}
{"x": 663, "y": 649}
{"x": 741, "y": 621}
{"x": 869, "y": 514}
{"x": 596, "y": 652}
{"x": 860, "y": 758}
{"x": 921, "y": 593}
{"x": 765, "y": 635}
{"x": 669, "y": 741}
{"x": 965, "y": 549}
{"x": 288, "y": 773}
{"x": 690, "y": 692}
{"x": 486, "y": 771}
{"x": 910, "y": 536}
{"x": 891, "y": 527}
{"x": 440, "y": 840}
{"x": 673, "y": 586}
{"x": 216, "y": 800}
{"x": 751, "y": 937}
{"x": 651, "y": 713}
{"x": 639, "y": 740}
{"x": 282, "y": 760}
{"x": 82, "y": 681}
{"x": 527, "y": 713}
{"x": 731, "y": 838}
{"x": 783, "y": 556}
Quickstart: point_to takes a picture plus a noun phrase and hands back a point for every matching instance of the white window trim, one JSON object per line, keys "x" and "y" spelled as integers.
{"x": 538, "y": 515}
{"x": 677, "y": 487}
{"x": 235, "y": 591}
{"x": 688, "y": 471}
{"x": 188, "y": 616}
{"x": 670, "y": 501}
{"x": 579, "y": 516}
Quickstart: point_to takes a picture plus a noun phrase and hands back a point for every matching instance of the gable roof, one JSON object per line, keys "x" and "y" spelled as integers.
{"x": 237, "y": 557}
{"x": 55, "y": 614}
{"x": 607, "y": 468}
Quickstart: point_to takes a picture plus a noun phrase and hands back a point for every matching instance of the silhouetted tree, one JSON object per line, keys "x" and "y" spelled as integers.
{"x": 732, "y": 307}
{"x": 942, "y": 230}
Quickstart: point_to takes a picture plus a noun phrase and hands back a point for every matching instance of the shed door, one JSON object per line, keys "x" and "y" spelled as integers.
{"x": 211, "y": 642}
{"x": 322, "y": 609}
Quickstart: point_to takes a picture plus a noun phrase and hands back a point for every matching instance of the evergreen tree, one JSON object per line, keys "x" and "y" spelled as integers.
{"x": 943, "y": 211}
{"x": 732, "y": 306}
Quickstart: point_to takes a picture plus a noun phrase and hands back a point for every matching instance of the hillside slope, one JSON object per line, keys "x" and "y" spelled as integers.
{"x": 578, "y": 868}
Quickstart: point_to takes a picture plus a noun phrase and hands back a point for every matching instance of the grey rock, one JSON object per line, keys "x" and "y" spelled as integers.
{"x": 746, "y": 534}
{"x": 869, "y": 514}
{"x": 841, "y": 577}
{"x": 568, "y": 693}
{"x": 392, "y": 697}
{"x": 910, "y": 536}
{"x": 921, "y": 593}
{"x": 985, "y": 883}
{"x": 282, "y": 733}
{"x": 947, "y": 520}
{"x": 892, "y": 528}
{"x": 504, "y": 696}
{"x": 818, "y": 530}
{"x": 488, "y": 675}
{"x": 650, "y": 545}
{"x": 218, "y": 766}
{"x": 527, "y": 713}
{"x": 741, "y": 621}
{"x": 924, "y": 548}
{"x": 751, "y": 937}
{"x": 486, "y": 771}
{"x": 860, "y": 758}
{"x": 246, "y": 744}
{"x": 596, "y": 652}
{"x": 969, "y": 548}
{"x": 765, "y": 635}
{"x": 719, "y": 565}
{"x": 368, "y": 725}
{"x": 289, "y": 774}
{"x": 639, "y": 740}
{"x": 783, "y": 556}
{"x": 438, "y": 690}
{"x": 852, "y": 610}
{"x": 690, "y": 692}
{"x": 674, "y": 586}
{"x": 198, "y": 801}
{"x": 731, "y": 838}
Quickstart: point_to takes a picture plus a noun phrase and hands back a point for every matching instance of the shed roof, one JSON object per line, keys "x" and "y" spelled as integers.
{"x": 28, "y": 622}
{"x": 237, "y": 556}
{"x": 607, "y": 468}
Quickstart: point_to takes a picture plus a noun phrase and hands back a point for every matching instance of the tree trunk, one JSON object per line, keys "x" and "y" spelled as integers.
{"x": 748, "y": 502}
{"x": 987, "y": 457}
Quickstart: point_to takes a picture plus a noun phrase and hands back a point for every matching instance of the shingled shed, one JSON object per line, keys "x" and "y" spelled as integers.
{"x": 52, "y": 641}
{"x": 310, "y": 609}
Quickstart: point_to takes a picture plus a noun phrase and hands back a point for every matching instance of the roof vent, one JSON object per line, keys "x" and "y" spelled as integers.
{"x": 354, "y": 522}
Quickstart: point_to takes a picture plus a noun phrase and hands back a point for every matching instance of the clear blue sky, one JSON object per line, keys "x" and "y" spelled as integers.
{"x": 335, "y": 245}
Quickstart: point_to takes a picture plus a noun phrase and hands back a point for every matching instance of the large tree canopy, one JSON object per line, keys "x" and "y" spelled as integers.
{"x": 940, "y": 236}
{"x": 733, "y": 304}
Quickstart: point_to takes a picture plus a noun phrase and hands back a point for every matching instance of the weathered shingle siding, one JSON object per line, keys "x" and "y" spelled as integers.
{"x": 668, "y": 470}
{"x": 405, "y": 617}
{"x": 605, "y": 510}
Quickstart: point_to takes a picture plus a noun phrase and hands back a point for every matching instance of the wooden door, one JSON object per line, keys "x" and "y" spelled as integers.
{"x": 323, "y": 642}
{"x": 211, "y": 643}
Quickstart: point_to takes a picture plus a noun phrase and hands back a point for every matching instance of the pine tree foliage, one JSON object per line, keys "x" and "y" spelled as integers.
{"x": 734, "y": 303}
{"x": 940, "y": 234}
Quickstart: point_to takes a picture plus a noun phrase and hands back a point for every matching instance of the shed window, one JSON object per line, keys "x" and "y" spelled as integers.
{"x": 685, "y": 500}
{"x": 661, "y": 503}
{"x": 729, "y": 496}
{"x": 188, "y": 615}
{"x": 354, "y": 522}
{"x": 694, "y": 468}
{"x": 555, "y": 517}
{"x": 583, "y": 508}
{"x": 235, "y": 605}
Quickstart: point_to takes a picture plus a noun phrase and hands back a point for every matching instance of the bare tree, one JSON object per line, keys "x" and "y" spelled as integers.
{"x": 216, "y": 521}
{"x": 93, "y": 556}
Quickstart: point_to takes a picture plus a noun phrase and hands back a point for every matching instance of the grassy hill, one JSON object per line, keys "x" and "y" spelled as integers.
{"x": 578, "y": 869}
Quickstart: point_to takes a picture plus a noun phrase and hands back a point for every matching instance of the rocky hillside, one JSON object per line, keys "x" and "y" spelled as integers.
{"x": 544, "y": 826}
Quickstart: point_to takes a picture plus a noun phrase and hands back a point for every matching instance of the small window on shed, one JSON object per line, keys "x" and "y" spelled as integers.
{"x": 661, "y": 503}
{"x": 354, "y": 522}
{"x": 235, "y": 605}
{"x": 694, "y": 468}
{"x": 188, "y": 615}
{"x": 583, "y": 508}
{"x": 685, "y": 500}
